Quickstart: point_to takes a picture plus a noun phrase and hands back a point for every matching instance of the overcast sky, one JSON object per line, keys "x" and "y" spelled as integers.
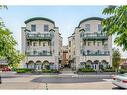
{"x": 65, "y": 17}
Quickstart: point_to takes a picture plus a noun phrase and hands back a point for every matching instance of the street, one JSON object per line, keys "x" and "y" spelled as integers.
{"x": 57, "y": 82}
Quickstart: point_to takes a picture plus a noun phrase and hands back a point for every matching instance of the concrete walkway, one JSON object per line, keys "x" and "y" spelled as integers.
{"x": 51, "y": 86}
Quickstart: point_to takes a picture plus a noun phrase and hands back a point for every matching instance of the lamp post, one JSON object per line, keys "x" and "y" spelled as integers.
{"x": 46, "y": 86}
{"x": 0, "y": 80}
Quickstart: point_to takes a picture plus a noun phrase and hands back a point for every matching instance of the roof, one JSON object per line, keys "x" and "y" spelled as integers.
{"x": 38, "y": 18}
{"x": 90, "y": 18}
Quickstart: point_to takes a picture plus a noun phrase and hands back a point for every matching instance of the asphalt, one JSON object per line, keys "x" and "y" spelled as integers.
{"x": 69, "y": 79}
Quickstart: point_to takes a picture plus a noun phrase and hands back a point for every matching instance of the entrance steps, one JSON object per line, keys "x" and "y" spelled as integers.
{"x": 67, "y": 72}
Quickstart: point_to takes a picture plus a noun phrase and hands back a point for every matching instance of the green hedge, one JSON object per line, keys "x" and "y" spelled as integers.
{"x": 46, "y": 71}
{"x": 109, "y": 70}
{"x": 86, "y": 70}
{"x": 50, "y": 71}
{"x": 123, "y": 71}
{"x": 54, "y": 71}
{"x": 24, "y": 70}
{"x": 13, "y": 69}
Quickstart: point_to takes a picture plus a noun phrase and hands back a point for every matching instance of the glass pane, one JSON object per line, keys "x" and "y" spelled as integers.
{"x": 46, "y": 28}
{"x": 33, "y": 27}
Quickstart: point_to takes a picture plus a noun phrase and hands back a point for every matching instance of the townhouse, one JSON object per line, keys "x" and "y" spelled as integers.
{"x": 41, "y": 42}
{"x": 89, "y": 45}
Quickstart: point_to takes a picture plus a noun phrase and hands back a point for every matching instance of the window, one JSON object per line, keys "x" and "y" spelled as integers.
{"x": 44, "y": 52}
{"x": 49, "y": 43}
{"x": 69, "y": 50}
{"x": 35, "y": 52}
{"x": 43, "y": 43}
{"x": 84, "y": 43}
{"x": 98, "y": 43}
{"x": 81, "y": 51}
{"x": 89, "y": 43}
{"x": 74, "y": 52}
{"x": 28, "y": 44}
{"x": 69, "y": 43}
{"x": 69, "y": 56}
{"x": 53, "y": 43}
{"x": 46, "y": 28}
{"x": 39, "y": 43}
{"x": 95, "y": 66}
{"x": 33, "y": 28}
{"x": 94, "y": 42}
{"x": 99, "y": 27}
{"x": 87, "y": 27}
{"x": 34, "y": 43}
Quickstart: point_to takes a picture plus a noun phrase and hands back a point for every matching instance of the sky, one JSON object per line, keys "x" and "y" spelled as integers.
{"x": 65, "y": 17}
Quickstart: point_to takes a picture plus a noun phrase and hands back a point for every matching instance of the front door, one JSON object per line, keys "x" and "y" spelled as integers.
{"x": 38, "y": 67}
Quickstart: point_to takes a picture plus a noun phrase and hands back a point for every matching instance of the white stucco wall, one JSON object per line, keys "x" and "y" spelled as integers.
{"x": 40, "y": 25}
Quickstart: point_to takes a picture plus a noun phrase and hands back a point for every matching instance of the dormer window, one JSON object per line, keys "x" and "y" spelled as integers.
{"x": 33, "y": 28}
{"x": 46, "y": 28}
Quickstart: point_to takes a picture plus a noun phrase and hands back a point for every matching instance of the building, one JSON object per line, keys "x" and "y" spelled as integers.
{"x": 41, "y": 42}
{"x": 88, "y": 45}
{"x": 65, "y": 56}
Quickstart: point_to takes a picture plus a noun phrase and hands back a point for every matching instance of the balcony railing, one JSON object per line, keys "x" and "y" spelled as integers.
{"x": 38, "y": 54}
{"x": 31, "y": 36}
{"x": 92, "y": 36}
{"x": 96, "y": 53}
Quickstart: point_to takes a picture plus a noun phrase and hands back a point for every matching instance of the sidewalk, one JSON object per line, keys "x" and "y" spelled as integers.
{"x": 55, "y": 86}
{"x": 63, "y": 74}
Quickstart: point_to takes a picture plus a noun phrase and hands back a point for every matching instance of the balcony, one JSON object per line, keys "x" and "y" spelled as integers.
{"x": 38, "y": 54}
{"x": 96, "y": 53}
{"x": 31, "y": 36}
{"x": 94, "y": 36}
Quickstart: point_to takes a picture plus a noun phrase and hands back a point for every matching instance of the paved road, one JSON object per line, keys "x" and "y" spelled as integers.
{"x": 58, "y": 82}
{"x": 68, "y": 79}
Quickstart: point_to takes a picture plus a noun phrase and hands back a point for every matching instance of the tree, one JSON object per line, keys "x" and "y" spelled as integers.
{"x": 116, "y": 58}
{"x": 7, "y": 47}
{"x": 116, "y": 24}
{"x": 15, "y": 59}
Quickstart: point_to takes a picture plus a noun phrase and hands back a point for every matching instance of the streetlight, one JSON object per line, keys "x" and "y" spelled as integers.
{"x": 0, "y": 80}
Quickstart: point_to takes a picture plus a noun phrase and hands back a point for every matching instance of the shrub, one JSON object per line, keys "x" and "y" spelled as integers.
{"x": 109, "y": 70}
{"x": 46, "y": 71}
{"x": 50, "y": 71}
{"x": 24, "y": 70}
{"x": 54, "y": 71}
{"x": 13, "y": 69}
{"x": 123, "y": 71}
{"x": 87, "y": 66}
{"x": 86, "y": 70}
